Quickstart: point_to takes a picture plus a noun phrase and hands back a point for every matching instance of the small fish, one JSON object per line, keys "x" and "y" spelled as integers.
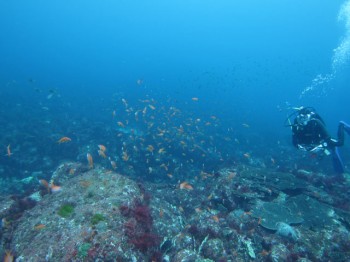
{"x": 185, "y": 185}
{"x": 231, "y": 175}
{"x": 72, "y": 171}
{"x": 164, "y": 166}
{"x": 101, "y": 153}
{"x": 119, "y": 123}
{"x": 139, "y": 82}
{"x": 152, "y": 107}
{"x": 246, "y": 155}
{"x": 102, "y": 148}
{"x": 161, "y": 151}
{"x": 39, "y": 227}
{"x": 45, "y": 184}
{"x": 114, "y": 165}
{"x": 54, "y": 188}
{"x": 150, "y": 148}
{"x": 90, "y": 160}
{"x": 198, "y": 210}
{"x": 8, "y": 151}
{"x": 4, "y": 223}
{"x": 125, "y": 156}
{"x": 216, "y": 219}
{"x": 64, "y": 139}
{"x": 8, "y": 256}
{"x": 144, "y": 111}
{"x": 195, "y": 98}
{"x": 124, "y": 102}
{"x": 245, "y": 125}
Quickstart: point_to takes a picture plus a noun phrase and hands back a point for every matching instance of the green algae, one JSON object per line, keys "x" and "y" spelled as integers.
{"x": 65, "y": 210}
{"x": 97, "y": 218}
{"x": 83, "y": 250}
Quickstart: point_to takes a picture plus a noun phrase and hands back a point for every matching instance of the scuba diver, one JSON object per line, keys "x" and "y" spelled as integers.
{"x": 309, "y": 133}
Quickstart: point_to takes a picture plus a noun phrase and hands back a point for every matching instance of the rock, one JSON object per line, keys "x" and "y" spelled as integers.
{"x": 213, "y": 249}
{"x": 279, "y": 253}
{"x": 271, "y": 213}
{"x": 286, "y": 231}
{"x": 185, "y": 255}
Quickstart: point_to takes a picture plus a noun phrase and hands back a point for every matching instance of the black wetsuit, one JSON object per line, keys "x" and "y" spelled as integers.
{"x": 314, "y": 134}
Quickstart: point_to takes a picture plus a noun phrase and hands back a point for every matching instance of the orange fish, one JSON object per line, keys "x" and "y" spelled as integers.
{"x": 161, "y": 151}
{"x": 231, "y": 175}
{"x": 45, "y": 184}
{"x": 246, "y": 155}
{"x": 125, "y": 156}
{"x": 8, "y": 149}
{"x": 39, "y": 227}
{"x": 64, "y": 139}
{"x": 8, "y": 256}
{"x": 185, "y": 185}
{"x": 150, "y": 148}
{"x": 198, "y": 210}
{"x": 54, "y": 188}
{"x": 114, "y": 164}
{"x": 119, "y": 123}
{"x": 90, "y": 160}
{"x": 124, "y": 102}
{"x": 102, "y": 148}
{"x": 216, "y": 218}
{"x": 101, "y": 153}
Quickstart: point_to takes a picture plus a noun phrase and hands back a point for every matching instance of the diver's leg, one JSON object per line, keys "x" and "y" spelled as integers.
{"x": 337, "y": 162}
{"x": 345, "y": 126}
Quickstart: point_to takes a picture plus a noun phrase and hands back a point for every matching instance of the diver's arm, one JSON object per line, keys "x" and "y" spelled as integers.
{"x": 340, "y": 141}
{"x": 322, "y": 131}
{"x": 325, "y": 135}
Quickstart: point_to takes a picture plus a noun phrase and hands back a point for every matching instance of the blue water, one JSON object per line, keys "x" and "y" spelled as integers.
{"x": 66, "y": 65}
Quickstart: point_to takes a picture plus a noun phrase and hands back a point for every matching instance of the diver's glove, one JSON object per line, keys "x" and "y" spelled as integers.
{"x": 321, "y": 147}
{"x": 317, "y": 149}
{"x": 302, "y": 148}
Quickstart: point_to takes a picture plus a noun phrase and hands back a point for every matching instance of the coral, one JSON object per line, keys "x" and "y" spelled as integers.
{"x": 65, "y": 210}
{"x": 143, "y": 216}
{"x": 138, "y": 227}
{"x": 145, "y": 241}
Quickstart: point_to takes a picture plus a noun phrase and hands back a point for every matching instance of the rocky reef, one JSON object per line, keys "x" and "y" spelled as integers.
{"x": 236, "y": 214}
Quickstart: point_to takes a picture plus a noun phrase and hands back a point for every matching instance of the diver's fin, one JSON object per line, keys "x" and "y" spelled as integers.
{"x": 337, "y": 162}
{"x": 346, "y": 127}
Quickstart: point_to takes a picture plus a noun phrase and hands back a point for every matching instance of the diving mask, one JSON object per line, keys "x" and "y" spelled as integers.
{"x": 303, "y": 119}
